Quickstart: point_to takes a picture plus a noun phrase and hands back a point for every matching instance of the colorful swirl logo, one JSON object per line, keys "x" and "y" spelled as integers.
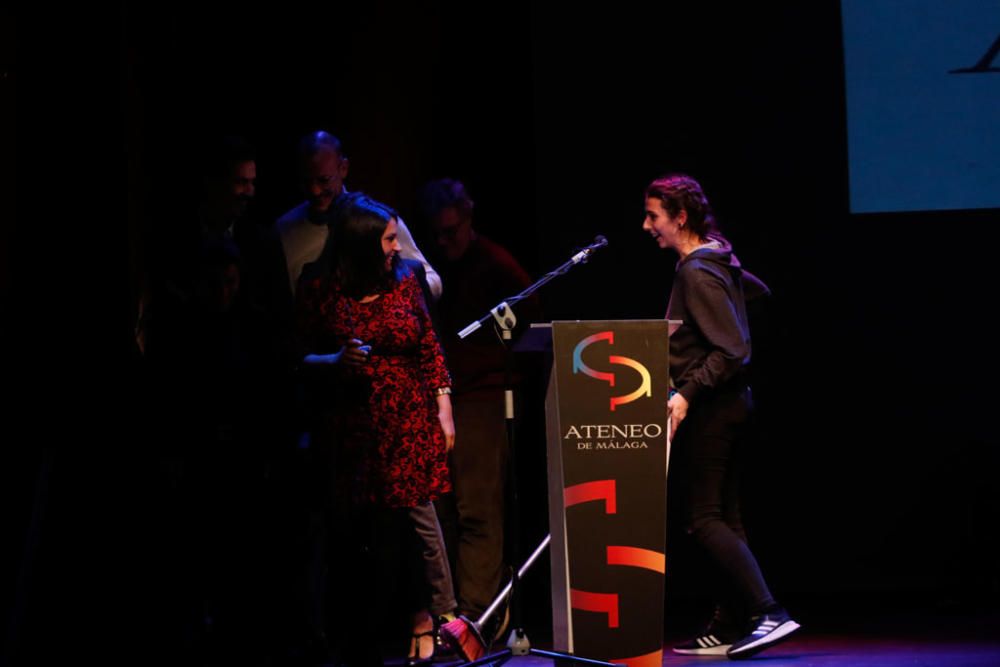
{"x": 645, "y": 387}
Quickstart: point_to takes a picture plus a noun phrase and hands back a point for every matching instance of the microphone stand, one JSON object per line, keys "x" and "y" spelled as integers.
{"x": 518, "y": 643}
{"x": 499, "y": 312}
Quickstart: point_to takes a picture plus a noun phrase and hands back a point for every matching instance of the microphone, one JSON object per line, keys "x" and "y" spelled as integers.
{"x": 585, "y": 254}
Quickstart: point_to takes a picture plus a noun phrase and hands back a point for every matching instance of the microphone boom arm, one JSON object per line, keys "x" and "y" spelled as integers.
{"x": 578, "y": 258}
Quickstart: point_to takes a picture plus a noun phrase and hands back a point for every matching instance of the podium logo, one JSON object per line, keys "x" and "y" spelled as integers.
{"x": 645, "y": 387}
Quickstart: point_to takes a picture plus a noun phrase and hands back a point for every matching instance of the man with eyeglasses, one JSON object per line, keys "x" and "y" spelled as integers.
{"x": 480, "y": 273}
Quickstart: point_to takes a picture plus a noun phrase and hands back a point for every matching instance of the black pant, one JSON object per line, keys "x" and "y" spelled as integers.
{"x": 473, "y": 519}
{"x": 705, "y": 464}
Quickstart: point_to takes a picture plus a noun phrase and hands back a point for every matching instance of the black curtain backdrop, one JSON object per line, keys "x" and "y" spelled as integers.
{"x": 876, "y": 452}
{"x": 874, "y": 462}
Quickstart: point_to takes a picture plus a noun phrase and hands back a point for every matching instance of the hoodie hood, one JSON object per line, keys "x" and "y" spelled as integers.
{"x": 720, "y": 253}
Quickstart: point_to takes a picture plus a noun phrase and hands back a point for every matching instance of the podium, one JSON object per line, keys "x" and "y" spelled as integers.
{"x": 608, "y": 452}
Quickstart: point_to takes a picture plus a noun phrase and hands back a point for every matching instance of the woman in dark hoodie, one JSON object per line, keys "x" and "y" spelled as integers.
{"x": 709, "y": 406}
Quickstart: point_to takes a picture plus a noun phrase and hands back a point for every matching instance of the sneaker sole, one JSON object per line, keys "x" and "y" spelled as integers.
{"x": 721, "y": 649}
{"x": 776, "y": 636}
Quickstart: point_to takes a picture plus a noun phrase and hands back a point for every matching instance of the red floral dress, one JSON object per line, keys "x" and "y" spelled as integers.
{"x": 388, "y": 444}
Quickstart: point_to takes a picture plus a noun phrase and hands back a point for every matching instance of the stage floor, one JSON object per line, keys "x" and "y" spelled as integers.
{"x": 891, "y": 641}
{"x": 829, "y": 650}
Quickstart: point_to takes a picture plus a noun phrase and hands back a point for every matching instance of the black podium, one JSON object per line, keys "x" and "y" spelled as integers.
{"x": 608, "y": 452}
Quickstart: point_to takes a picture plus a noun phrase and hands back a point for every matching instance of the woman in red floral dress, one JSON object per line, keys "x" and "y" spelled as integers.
{"x": 363, "y": 316}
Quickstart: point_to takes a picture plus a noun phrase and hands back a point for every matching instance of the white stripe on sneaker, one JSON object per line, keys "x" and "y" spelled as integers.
{"x": 766, "y": 639}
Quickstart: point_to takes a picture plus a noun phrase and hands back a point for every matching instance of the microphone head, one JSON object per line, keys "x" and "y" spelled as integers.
{"x": 600, "y": 240}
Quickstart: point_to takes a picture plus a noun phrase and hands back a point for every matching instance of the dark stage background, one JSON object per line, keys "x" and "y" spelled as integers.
{"x": 874, "y": 473}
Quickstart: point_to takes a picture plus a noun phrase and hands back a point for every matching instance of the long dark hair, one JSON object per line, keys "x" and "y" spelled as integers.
{"x": 681, "y": 192}
{"x": 353, "y": 252}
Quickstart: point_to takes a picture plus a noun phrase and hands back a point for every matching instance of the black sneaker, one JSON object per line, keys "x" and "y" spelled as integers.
{"x": 705, "y": 644}
{"x": 768, "y": 630}
{"x": 714, "y": 640}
